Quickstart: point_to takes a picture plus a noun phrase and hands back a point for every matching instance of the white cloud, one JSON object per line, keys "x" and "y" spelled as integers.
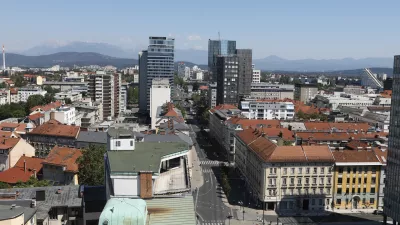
{"x": 194, "y": 38}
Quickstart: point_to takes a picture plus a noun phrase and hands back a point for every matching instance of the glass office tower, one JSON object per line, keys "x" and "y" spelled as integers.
{"x": 218, "y": 48}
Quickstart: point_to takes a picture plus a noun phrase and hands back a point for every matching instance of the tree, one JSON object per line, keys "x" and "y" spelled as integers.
{"x": 49, "y": 98}
{"x": 32, "y": 182}
{"x": 68, "y": 101}
{"x": 183, "y": 111}
{"x": 196, "y": 86}
{"x": 133, "y": 95}
{"x": 3, "y": 85}
{"x": 91, "y": 165}
{"x": 33, "y": 101}
{"x": 4, "y": 185}
{"x": 18, "y": 80}
{"x": 12, "y": 110}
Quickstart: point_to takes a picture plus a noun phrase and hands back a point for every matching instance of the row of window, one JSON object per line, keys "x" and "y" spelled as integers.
{"x": 354, "y": 169}
{"x": 356, "y": 190}
{"x": 339, "y": 201}
{"x": 300, "y": 181}
{"x": 340, "y": 180}
{"x": 299, "y": 170}
{"x": 300, "y": 191}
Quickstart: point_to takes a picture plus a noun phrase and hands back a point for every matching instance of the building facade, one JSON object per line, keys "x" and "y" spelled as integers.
{"x": 156, "y": 62}
{"x": 101, "y": 88}
{"x": 25, "y": 92}
{"x": 392, "y": 196}
{"x": 160, "y": 94}
{"x": 245, "y": 58}
{"x": 287, "y": 179}
{"x": 305, "y": 92}
{"x": 218, "y": 48}
{"x": 271, "y": 91}
{"x": 212, "y": 95}
{"x": 227, "y": 79}
{"x": 268, "y": 110}
{"x": 256, "y": 76}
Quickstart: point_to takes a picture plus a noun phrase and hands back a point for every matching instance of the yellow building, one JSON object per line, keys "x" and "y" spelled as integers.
{"x": 356, "y": 179}
{"x": 17, "y": 215}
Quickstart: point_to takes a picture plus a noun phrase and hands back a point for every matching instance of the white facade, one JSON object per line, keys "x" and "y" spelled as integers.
{"x": 3, "y": 99}
{"x": 74, "y": 96}
{"x": 160, "y": 93}
{"x": 199, "y": 76}
{"x": 256, "y": 76}
{"x": 356, "y": 101}
{"x": 271, "y": 91}
{"x": 268, "y": 110}
{"x": 66, "y": 115}
{"x": 123, "y": 101}
{"x": 187, "y": 73}
{"x": 24, "y": 93}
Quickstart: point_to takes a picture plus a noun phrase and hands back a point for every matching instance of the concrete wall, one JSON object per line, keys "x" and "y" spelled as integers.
{"x": 14, "y": 221}
{"x": 21, "y": 148}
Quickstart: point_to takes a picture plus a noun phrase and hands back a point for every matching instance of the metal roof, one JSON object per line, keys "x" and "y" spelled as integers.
{"x": 146, "y": 156}
{"x": 7, "y": 212}
{"x": 179, "y": 137}
{"x": 68, "y": 197}
{"x": 172, "y": 210}
{"x": 92, "y": 137}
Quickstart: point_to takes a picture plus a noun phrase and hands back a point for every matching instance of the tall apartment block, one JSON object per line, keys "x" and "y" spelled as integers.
{"x": 117, "y": 94}
{"x": 218, "y": 48}
{"x": 155, "y": 62}
{"x": 227, "y": 79}
{"x": 102, "y": 87}
{"x": 392, "y": 191}
{"x": 245, "y": 58}
{"x": 212, "y": 95}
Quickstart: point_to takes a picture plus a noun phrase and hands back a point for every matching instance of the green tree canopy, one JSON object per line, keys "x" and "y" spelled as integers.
{"x": 91, "y": 165}
{"x": 67, "y": 101}
{"x": 12, "y": 110}
{"x": 48, "y": 98}
{"x": 33, "y": 101}
{"x": 32, "y": 182}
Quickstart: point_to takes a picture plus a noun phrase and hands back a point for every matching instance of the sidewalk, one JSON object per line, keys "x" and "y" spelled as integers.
{"x": 246, "y": 222}
{"x": 196, "y": 175}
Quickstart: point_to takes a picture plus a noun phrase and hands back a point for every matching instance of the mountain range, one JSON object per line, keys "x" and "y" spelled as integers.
{"x": 84, "y": 53}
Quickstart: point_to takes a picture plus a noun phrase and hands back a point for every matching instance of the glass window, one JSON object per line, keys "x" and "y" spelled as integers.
{"x": 118, "y": 143}
{"x": 299, "y": 181}
{"x": 300, "y": 170}
{"x": 315, "y": 170}
{"x": 322, "y": 170}
{"x": 338, "y": 201}
{"x": 284, "y": 170}
{"x": 372, "y": 201}
{"x": 292, "y": 170}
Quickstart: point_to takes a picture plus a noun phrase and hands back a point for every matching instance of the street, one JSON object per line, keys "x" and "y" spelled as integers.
{"x": 209, "y": 205}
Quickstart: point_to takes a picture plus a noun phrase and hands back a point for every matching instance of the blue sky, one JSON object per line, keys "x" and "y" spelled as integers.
{"x": 292, "y": 29}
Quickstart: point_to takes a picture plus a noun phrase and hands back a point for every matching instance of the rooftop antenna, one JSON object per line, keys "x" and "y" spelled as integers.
{"x": 4, "y": 60}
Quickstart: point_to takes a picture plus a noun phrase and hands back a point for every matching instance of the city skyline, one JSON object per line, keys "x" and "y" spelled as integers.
{"x": 294, "y": 31}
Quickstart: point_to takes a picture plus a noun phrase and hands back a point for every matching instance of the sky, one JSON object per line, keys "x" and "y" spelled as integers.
{"x": 292, "y": 29}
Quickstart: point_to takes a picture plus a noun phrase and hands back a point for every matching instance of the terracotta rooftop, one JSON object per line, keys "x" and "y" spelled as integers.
{"x": 170, "y": 110}
{"x": 323, "y": 126}
{"x": 63, "y": 156}
{"x": 246, "y": 123}
{"x": 55, "y": 128}
{"x": 386, "y": 93}
{"x": 338, "y": 136}
{"x": 203, "y": 87}
{"x": 353, "y": 156}
{"x": 47, "y": 107}
{"x": 381, "y": 154}
{"x": 17, "y": 173}
{"x": 20, "y": 127}
{"x": 35, "y": 116}
{"x": 355, "y": 145}
{"x": 270, "y": 152}
{"x": 223, "y": 106}
{"x": 8, "y": 143}
{"x": 13, "y": 91}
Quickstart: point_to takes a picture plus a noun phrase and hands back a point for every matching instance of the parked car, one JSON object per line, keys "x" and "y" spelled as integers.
{"x": 378, "y": 212}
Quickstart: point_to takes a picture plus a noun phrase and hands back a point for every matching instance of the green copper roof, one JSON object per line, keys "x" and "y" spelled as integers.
{"x": 120, "y": 211}
{"x": 146, "y": 156}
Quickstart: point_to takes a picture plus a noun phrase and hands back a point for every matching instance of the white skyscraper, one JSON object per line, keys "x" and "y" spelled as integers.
{"x": 160, "y": 93}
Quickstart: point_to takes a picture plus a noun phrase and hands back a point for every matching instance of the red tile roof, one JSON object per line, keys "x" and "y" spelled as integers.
{"x": 317, "y": 126}
{"x": 223, "y": 106}
{"x": 47, "y": 107}
{"x": 353, "y": 156}
{"x": 381, "y": 154}
{"x": 63, "y": 156}
{"x": 17, "y": 173}
{"x": 8, "y": 143}
{"x": 268, "y": 151}
{"x": 338, "y": 136}
{"x": 35, "y": 116}
{"x": 203, "y": 87}
{"x": 386, "y": 93}
{"x": 323, "y": 126}
{"x": 55, "y": 128}
{"x": 17, "y": 126}
{"x": 246, "y": 123}
{"x": 13, "y": 91}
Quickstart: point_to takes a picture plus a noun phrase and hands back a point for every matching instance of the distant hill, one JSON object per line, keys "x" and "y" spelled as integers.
{"x": 355, "y": 72}
{"x": 68, "y": 59}
{"x": 308, "y": 65}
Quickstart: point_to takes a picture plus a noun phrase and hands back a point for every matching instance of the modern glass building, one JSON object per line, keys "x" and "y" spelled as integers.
{"x": 392, "y": 189}
{"x": 218, "y": 48}
{"x": 156, "y": 62}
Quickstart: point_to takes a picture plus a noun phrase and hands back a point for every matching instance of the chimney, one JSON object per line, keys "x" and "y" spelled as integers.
{"x": 24, "y": 166}
{"x": 35, "y": 173}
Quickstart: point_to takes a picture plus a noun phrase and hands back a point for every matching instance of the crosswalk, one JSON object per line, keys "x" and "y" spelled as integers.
{"x": 214, "y": 162}
{"x": 213, "y": 222}
{"x": 206, "y": 170}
